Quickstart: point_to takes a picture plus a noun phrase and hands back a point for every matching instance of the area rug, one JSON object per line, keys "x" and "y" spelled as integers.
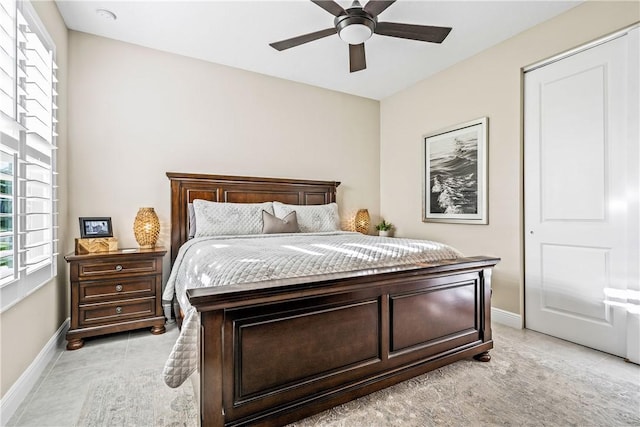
{"x": 517, "y": 387}
{"x": 520, "y": 386}
{"x": 139, "y": 399}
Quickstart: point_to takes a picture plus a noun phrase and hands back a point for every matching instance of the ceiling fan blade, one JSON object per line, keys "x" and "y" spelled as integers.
{"x": 357, "y": 59}
{"x": 423, "y": 33}
{"x": 376, "y": 7}
{"x": 330, "y": 6}
{"x": 305, "y": 38}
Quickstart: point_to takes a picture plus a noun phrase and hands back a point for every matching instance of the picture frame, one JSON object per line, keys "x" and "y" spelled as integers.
{"x": 94, "y": 227}
{"x": 455, "y": 174}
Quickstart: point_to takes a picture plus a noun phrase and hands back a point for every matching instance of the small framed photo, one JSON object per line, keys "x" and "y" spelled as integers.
{"x": 92, "y": 227}
{"x": 455, "y": 174}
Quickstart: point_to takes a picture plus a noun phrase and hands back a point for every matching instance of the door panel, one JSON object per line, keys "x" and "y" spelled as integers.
{"x": 562, "y": 281}
{"x": 573, "y": 117}
{"x": 577, "y": 183}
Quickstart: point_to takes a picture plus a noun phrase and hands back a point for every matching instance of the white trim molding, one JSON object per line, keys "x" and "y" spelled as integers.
{"x": 506, "y": 318}
{"x": 582, "y": 48}
{"x": 21, "y": 388}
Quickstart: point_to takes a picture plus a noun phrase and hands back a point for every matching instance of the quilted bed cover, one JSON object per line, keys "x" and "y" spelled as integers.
{"x": 224, "y": 260}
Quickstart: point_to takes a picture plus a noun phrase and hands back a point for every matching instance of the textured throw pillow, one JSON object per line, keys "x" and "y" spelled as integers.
{"x": 219, "y": 219}
{"x": 271, "y": 224}
{"x": 311, "y": 218}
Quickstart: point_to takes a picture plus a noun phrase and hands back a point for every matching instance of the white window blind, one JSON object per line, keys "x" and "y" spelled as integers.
{"x": 7, "y": 60}
{"x": 7, "y": 196}
{"x": 28, "y": 190}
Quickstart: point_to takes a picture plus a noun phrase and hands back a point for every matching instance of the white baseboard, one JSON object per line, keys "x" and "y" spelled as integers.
{"x": 19, "y": 391}
{"x": 506, "y": 318}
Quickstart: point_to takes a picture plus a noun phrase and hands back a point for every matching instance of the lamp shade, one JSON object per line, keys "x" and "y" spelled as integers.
{"x": 362, "y": 221}
{"x": 146, "y": 228}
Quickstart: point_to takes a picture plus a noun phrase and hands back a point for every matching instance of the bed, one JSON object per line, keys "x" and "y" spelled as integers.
{"x": 277, "y": 350}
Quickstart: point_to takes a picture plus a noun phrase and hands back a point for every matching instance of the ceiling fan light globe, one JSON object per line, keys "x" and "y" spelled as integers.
{"x": 355, "y": 33}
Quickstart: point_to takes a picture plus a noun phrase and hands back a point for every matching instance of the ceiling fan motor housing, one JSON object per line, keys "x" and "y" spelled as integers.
{"x": 355, "y": 16}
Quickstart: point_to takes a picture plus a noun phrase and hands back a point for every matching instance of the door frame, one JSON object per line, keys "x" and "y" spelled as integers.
{"x": 597, "y": 42}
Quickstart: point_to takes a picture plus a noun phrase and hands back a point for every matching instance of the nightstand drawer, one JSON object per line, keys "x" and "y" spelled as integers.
{"x": 105, "y": 290}
{"x": 116, "y": 311}
{"x": 117, "y": 268}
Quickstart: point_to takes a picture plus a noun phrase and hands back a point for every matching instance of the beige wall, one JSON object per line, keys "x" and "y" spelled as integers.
{"x": 26, "y": 327}
{"x": 136, "y": 113}
{"x": 488, "y": 84}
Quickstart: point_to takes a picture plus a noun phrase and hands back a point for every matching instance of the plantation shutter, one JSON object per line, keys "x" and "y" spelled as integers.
{"x": 7, "y": 60}
{"x": 39, "y": 119}
{"x": 9, "y": 141}
{"x": 8, "y": 251}
{"x": 28, "y": 178}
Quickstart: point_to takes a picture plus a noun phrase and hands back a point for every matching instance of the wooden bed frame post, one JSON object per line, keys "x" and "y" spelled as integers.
{"x": 211, "y": 364}
{"x": 486, "y": 303}
{"x": 488, "y": 291}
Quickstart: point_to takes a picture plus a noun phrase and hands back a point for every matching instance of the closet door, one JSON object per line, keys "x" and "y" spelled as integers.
{"x": 581, "y": 167}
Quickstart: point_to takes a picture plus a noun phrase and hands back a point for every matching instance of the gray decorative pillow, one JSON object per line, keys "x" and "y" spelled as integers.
{"x": 311, "y": 218}
{"x": 271, "y": 224}
{"x": 219, "y": 219}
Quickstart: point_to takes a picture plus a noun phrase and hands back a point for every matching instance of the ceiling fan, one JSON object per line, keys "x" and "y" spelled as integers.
{"x": 357, "y": 24}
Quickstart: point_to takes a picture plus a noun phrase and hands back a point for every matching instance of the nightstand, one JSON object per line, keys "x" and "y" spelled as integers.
{"x": 114, "y": 292}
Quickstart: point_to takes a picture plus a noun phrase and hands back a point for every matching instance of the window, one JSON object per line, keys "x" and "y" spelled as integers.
{"x": 28, "y": 200}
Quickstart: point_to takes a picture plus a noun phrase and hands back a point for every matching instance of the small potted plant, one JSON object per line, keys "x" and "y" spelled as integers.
{"x": 385, "y": 229}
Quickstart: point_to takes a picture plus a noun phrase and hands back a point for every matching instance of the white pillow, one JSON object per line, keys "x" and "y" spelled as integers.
{"x": 311, "y": 218}
{"x": 192, "y": 221}
{"x": 218, "y": 219}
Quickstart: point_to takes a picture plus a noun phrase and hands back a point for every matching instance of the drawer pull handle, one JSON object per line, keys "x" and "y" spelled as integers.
{"x": 118, "y": 267}
{"x": 118, "y": 310}
{"x": 118, "y": 288}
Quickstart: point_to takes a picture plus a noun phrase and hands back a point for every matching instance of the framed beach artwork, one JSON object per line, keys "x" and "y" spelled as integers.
{"x": 455, "y": 174}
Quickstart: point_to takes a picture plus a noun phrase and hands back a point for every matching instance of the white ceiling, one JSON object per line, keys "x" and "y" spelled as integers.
{"x": 238, "y": 33}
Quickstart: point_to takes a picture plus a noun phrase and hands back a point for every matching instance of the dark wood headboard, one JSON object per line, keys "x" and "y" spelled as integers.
{"x": 186, "y": 187}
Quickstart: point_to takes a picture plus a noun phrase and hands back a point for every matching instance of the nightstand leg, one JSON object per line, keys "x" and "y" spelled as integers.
{"x": 157, "y": 330}
{"x": 75, "y": 343}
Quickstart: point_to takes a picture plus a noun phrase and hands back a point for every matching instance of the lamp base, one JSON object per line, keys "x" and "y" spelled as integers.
{"x": 147, "y": 246}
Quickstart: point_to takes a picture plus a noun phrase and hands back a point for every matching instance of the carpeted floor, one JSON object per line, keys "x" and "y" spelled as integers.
{"x": 137, "y": 399}
{"x": 517, "y": 387}
{"x": 532, "y": 380}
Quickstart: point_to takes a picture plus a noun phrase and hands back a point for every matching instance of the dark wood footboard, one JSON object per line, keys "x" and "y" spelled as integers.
{"x": 275, "y": 352}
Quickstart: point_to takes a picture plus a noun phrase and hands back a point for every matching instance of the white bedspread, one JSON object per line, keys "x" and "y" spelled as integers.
{"x": 223, "y": 260}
